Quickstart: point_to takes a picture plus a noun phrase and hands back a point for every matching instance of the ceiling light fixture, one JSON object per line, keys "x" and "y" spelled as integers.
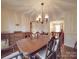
{"x": 42, "y": 18}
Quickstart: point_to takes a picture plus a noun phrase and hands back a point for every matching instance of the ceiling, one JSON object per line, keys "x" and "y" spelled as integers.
{"x": 33, "y": 7}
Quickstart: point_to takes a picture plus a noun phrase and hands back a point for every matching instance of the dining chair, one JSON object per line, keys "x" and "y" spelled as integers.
{"x": 15, "y": 55}
{"x": 52, "y": 50}
{"x": 75, "y": 46}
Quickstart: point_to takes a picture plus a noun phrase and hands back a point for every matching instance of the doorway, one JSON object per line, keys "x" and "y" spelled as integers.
{"x": 56, "y": 26}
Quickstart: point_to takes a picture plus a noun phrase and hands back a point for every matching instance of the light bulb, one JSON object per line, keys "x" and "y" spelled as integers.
{"x": 46, "y": 16}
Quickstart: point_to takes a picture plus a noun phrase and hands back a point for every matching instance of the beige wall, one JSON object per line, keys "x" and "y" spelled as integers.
{"x": 38, "y": 27}
{"x": 9, "y": 19}
{"x": 70, "y": 28}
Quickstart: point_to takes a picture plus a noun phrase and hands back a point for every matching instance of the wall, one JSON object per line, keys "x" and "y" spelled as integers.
{"x": 9, "y": 19}
{"x": 70, "y": 28}
{"x": 38, "y": 27}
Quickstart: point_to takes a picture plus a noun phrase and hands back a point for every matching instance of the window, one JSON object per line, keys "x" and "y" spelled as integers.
{"x": 57, "y": 27}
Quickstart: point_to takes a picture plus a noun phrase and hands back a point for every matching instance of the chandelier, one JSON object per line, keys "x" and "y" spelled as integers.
{"x": 42, "y": 18}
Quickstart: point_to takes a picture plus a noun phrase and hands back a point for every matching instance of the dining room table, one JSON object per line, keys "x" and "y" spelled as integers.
{"x": 31, "y": 46}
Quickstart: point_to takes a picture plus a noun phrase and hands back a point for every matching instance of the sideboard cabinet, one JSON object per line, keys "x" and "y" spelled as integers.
{"x": 13, "y": 37}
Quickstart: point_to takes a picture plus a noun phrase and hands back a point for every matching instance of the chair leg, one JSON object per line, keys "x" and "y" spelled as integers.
{"x": 34, "y": 57}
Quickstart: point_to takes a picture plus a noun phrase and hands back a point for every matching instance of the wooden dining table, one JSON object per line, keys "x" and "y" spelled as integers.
{"x": 29, "y": 46}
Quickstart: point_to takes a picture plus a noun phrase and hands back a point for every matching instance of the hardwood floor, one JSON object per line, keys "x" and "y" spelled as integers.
{"x": 66, "y": 53}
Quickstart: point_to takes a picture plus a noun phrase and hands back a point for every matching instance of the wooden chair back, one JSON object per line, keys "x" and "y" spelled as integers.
{"x": 53, "y": 49}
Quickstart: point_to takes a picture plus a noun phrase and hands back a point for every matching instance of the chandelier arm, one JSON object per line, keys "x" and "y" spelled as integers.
{"x": 41, "y": 17}
{"x": 42, "y": 4}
